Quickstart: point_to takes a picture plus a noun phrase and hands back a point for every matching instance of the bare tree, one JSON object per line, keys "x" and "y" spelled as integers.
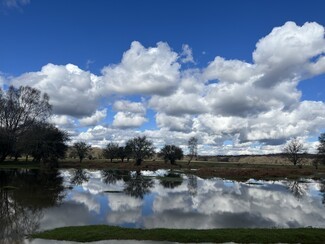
{"x": 320, "y": 159}
{"x": 141, "y": 148}
{"x": 298, "y": 189}
{"x": 321, "y": 148}
{"x": 81, "y": 149}
{"x": 192, "y": 148}
{"x": 20, "y": 108}
{"x": 294, "y": 151}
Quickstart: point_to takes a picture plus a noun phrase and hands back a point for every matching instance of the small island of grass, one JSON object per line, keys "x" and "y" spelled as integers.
{"x": 104, "y": 232}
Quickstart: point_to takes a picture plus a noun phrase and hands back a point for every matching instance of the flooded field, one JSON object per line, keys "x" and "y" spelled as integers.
{"x": 32, "y": 200}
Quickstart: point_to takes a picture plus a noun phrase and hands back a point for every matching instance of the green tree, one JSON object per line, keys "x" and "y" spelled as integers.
{"x": 192, "y": 148}
{"x": 294, "y": 151}
{"x": 20, "y": 108}
{"x": 7, "y": 142}
{"x": 121, "y": 153}
{"x": 128, "y": 151}
{"x": 171, "y": 153}
{"x": 44, "y": 142}
{"x": 81, "y": 149}
{"x": 141, "y": 148}
{"x": 111, "y": 151}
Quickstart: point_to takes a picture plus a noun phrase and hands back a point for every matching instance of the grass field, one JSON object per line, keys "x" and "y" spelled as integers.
{"x": 103, "y": 232}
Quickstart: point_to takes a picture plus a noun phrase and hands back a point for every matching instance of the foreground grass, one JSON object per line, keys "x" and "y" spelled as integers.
{"x": 104, "y": 232}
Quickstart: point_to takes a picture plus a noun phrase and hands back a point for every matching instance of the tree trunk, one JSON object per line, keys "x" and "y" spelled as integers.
{"x": 2, "y": 158}
{"x": 189, "y": 161}
{"x": 138, "y": 161}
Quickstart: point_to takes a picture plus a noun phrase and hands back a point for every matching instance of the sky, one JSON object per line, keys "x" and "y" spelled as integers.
{"x": 244, "y": 77}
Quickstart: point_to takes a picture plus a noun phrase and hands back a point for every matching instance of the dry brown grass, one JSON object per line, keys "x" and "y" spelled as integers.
{"x": 244, "y": 168}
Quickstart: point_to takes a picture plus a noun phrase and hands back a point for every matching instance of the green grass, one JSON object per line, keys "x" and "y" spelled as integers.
{"x": 104, "y": 232}
{"x": 19, "y": 165}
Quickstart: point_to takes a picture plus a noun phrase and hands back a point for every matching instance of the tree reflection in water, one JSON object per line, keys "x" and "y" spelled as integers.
{"x": 322, "y": 190}
{"x": 171, "y": 180}
{"x": 23, "y": 195}
{"x": 112, "y": 176}
{"x": 80, "y": 176}
{"x": 298, "y": 190}
{"x": 192, "y": 185}
{"x": 138, "y": 185}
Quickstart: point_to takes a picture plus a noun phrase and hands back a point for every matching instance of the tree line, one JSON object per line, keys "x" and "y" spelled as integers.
{"x": 138, "y": 149}
{"x": 25, "y": 130}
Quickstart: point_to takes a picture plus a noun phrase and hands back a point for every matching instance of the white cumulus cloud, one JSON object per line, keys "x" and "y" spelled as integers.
{"x": 128, "y": 120}
{"x": 64, "y": 121}
{"x": 69, "y": 87}
{"x": 174, "y": 123}
{"x": 247, "y": 103}
{"x": 94, "y": 119}
{"x": 128, "y": 106}
{"x": 143, "y": 70}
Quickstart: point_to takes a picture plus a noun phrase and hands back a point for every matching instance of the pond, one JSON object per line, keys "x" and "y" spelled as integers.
{"x": 32, "y": 200}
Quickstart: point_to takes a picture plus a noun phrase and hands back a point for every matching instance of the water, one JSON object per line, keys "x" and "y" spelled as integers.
{"x": 32, "y": 200}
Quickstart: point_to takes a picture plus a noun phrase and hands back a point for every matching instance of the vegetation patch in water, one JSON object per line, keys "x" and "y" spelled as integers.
{"x": 113, "y": 191}
{"x": 104, "y": 232}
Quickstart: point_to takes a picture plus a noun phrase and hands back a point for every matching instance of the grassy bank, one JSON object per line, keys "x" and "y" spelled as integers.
{"x": 204, "y": 169}
{"x": 20, "y": 164}
{"x": 207, "y": 169}
{"x": 103, "y": 232}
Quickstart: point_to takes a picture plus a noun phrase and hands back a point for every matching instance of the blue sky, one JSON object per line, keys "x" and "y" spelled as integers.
{"x": 178, "y": 88}
{"x": 75, "y": 31}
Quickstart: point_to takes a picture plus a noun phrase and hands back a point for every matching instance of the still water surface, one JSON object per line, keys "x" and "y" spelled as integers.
{"x": 32, "y": 200}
